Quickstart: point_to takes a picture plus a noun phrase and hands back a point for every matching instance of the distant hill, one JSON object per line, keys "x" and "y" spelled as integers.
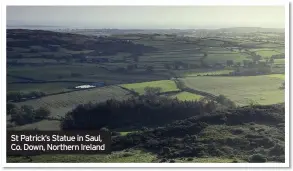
{"x": 245, "y": 29}
{"x": 253, "y": 29}
{"x": 41, "y": 41}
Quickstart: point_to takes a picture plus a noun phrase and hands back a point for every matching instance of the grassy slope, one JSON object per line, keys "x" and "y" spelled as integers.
{"x": 262, "y": 89}
{"x": 267, "y": 53}
{"x": 280, "y": 76}
{"x": 186, "y": 96}
{"x": 55, "y": 72}
{"x": 46, "y": 88}
{"x": 60, "y": 104}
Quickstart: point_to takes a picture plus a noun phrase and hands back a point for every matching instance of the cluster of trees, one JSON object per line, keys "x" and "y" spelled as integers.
{"x": 278, "y": 56}
{"x": 255, "y": 62}
{"x": 19, "y": 96}
{"x": 149, "y": 68}
{"x": 253, "y": 71}
{"x": 248, "y": 63}
{"x": 230, "y": 62}
{"x": 131, "y": 67}
{"x": 152, "y": 91}
{"x": 133, "y": 112}
{"x": 225, "y": 101}
{"x": 26, "y": 114}
{"x": 180, "y": 65}
{"x": 128, "y": 68}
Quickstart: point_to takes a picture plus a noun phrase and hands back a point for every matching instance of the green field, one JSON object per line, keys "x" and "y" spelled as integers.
{"x": 60, "y": 104}
{"x": 165, "y": 85}
{"x": 279, "y": 61}
{"x": 242, "y": 90}
{"x": 124, "y": 133}
{"x": 249, "y": 43}
{"x": 58, "y": 72}
{"x": 46, "y": 87}
{"x": 186, "y": 96}
{"x": 85, "y": 73}
{"x": 269, "y": 45}
{"x": 267, "y": 53}
{"x": 209, "y": 42}
{"x": 277, "y": 50}
{"x": 280, "y": 76}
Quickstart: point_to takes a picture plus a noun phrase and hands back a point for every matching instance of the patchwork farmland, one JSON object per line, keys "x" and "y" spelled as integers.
{"x": 153, "y": 91}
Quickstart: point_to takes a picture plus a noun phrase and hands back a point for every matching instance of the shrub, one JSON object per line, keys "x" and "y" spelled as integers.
{"x": 252, "y": 103}
{"x": 9, "y": 108}
{"x": 127, "y": 154}
{"x": 166, "y": 150}
{"x": 144, "y": 128}
{"x": 152, "y": 143}
{"x": 10, "y": 125}
{"x": 237, "y": 131}
{"x": 277, "y": 150}
{"x": 151, "y": 91}
{"x": 149, "y": 68}
{"x": 21, "y": 117}
{"x": 190, "y": 159}
{"x": 104, "y": 129}
{"x": 257, "y": 158}
{"x": 282, "y": 86}
{"x": 114, "y": 133}
{"x": 172, "y": 161}
{"x": 225, "y": 101}
{"x": 27, "y": 114}
{"x": 42, "y": 112}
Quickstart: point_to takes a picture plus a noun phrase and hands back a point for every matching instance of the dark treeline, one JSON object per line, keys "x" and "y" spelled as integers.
{"x": 133, "y": 113}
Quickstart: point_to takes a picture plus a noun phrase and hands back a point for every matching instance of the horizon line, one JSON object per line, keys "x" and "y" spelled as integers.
{"x": 117, "y": 28}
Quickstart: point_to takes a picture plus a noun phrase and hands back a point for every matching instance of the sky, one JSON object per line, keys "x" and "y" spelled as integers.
{"x": 148, "y": 17}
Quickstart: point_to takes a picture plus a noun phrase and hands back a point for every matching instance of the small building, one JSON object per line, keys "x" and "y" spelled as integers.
{"x": 84, "y": 86}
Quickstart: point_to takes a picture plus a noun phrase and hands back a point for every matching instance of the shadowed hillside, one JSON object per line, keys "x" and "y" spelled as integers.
{"x": 239, "y": 133}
